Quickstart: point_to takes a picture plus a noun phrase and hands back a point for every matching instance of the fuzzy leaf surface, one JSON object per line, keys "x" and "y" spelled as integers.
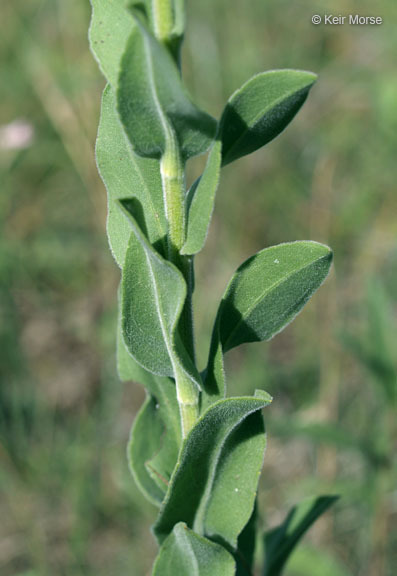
{"x": 265, "y": 294}
{"x": 201, "y": 203}
{"x": 270, "y": 289}
{"x": 154, "y": 443}
{"x": 281, "y": 541}
{"x": 185, "y": 553}
{"x": 111, "y": 26}
{"x": 153, "y": 103}
{"x": 127, "y": 175}
{"x": 153, "y": 293}
{"x": 213, "y": 488}
{"x": 156, "y": 434}
{"x": 261, "y": 109}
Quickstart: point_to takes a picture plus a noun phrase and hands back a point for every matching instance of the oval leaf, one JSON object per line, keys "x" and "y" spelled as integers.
{"x": 269, "y": 290}
{"x": 124, "y": 173}
{"x": 201, "y": 203}
{"x": 263, "y": 297}
{"x": 153, "y": 293}
{"x": 185, "y": 553}
{"x": 153, "y": 104}
{"x": 213, "y": 488}
{"x": 261, "y": 109}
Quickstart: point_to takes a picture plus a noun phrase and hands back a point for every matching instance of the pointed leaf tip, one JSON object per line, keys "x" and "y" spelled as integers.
{"x": 270, "y": 289}
{"x": 261, "y": 109}
{"x": 265, "y": 294}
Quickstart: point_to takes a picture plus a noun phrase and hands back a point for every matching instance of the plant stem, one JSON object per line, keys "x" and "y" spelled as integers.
{"x": 188, "y": 400}
{"x": 173, "y": 181}
{"x": 163, "y": 19}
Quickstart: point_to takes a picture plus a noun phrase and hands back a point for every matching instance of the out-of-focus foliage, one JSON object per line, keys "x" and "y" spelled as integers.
{"x": 67, "y": 504}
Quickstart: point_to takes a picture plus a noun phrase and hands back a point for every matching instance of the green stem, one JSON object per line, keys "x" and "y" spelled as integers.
{"x": 188, "y": 400}
{"x": 163, "y": 19}
{"x": 173, "y": 181}
{"x": 186, "y": 323}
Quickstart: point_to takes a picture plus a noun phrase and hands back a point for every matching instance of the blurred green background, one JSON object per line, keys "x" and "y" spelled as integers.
{"x": 67, "y": 503}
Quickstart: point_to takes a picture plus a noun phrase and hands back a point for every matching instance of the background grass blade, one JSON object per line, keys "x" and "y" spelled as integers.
{"x": 281, "y": 541}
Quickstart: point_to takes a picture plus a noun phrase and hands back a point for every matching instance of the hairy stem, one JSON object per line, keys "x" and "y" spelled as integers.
{"x": 173, "y": 181}
{"x": 188, "y": 400}
{"x": 163, "y": 19}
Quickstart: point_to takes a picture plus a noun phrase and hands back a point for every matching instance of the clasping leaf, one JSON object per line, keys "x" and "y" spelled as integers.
{"x": 213, "y": 488}
{"x": 153, "y": 293}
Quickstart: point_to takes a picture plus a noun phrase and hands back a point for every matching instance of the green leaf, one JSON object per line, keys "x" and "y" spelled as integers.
{"x": 153, "y": 104}
{"x": 281, "y": 541}
{"x": 261, "y": 109}
{"x": 263, "y": 297}
{"x": 245, "y": 553}
{"x": 111, "y": 26}
{"x": 127, "y": 368}
{"x": 127, "y": 175}
{"x": 185, "y": 553}
{"x": 201, "y": 203}
{"x": 156, "y": 433}
{"x": 154, "y": 442}
{"x": 153, "y": 293}
{"x": 213, "y": 488}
